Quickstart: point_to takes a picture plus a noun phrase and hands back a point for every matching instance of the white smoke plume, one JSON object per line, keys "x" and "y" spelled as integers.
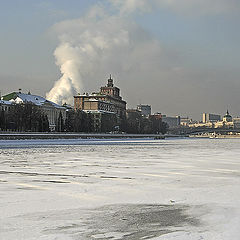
{"x": 95, "y": 45}
{"x": 98, "y": 44}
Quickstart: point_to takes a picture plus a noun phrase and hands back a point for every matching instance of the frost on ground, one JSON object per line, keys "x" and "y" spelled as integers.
{"x": 120, "y": 189}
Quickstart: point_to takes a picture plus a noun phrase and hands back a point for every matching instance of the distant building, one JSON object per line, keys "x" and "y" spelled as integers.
{"x": 107, "y": 100}
{"x": 133, "y": 113}
{"x": 202, "y": 125}
{"x": 227, "y": 117}
{"x": 236, "y": 123}
{"x": 210, "y": 117}
{"x": 51, "y": 109}
{"x": 157, "y": 116}
{"x": 172, "y": 121}
{"x": 5, "y": 105}
{"x": 144, "y": 109}
{"x": 185, "y": 121}
{"x": 227, "y": 123}
{"x": 105, "y": 106}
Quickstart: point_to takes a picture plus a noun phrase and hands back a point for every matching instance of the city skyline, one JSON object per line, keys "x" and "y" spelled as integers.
{"x": 145, "y": 109}
{"x": 181, "y": 60}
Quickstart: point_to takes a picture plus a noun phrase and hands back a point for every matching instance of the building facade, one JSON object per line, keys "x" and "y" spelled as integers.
{"x": 5, "y": 105}
{"x": 172, "y": 122}
{"x": 144, "y": 109}
{"x": 107, "y": 100}
{"x": 185, "y": 121}
{"x": 227, "y": 117}
{"x": 51, "y": 109}
{"x": 210, "y": 117}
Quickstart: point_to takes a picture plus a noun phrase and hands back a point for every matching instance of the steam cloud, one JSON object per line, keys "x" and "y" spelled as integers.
{"x": 98, "y": 44}
{"x": 94, "y": 45}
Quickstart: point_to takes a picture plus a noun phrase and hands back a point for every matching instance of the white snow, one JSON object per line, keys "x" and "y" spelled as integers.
{"x": 37, "y": 100}
{"x": 52, "y": 189}
{"x": 5, "y": 102}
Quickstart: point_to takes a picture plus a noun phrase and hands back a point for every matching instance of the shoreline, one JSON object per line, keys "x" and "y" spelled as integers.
{"x": 19, "y": 136}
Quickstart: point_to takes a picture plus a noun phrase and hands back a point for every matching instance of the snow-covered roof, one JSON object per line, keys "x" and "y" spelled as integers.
{"x": 92, "y": 100}
{"x": 18, "y": 97}
{"x": 5, "y": 102}
{"x": 98, "y": 111}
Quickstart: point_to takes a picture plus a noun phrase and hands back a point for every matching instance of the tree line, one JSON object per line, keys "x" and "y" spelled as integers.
{"x": 25, "y": 117}
{"x": 80, "y": 121}
{"x": 138, "y": 124}
{"x": 28, "y": 117}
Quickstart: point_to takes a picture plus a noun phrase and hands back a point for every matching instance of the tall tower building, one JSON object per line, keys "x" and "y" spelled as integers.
{"x": 108, "y": 99}
{"x": 110, "y": 89}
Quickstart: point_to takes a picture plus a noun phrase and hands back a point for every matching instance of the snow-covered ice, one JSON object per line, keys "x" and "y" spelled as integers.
{"x": 173, "y": 189}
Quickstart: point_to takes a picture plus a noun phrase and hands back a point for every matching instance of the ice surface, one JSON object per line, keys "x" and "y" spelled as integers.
{"x": 173, "y": 189}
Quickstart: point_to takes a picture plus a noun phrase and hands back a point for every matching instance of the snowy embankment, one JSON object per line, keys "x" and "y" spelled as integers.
{"x": 15, "y": 136}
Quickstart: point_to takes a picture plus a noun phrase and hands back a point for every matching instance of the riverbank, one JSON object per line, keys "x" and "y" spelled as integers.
{"x": 210, "y": 135}
{"x": 15, "y": 136}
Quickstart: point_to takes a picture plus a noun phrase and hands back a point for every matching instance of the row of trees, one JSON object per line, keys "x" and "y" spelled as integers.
{"x": 28, "y": 117}
{"x": 24, "y": 117}
{"x": 136, "y": 123}
{"x": 80, "y": 121}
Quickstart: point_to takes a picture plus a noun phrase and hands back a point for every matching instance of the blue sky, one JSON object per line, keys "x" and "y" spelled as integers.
{"x": 196, "y": 51}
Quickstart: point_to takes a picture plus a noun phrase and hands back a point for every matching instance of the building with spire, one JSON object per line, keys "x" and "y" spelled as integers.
{"x": 227, "y": 117}
{"x": 106, "y": 101}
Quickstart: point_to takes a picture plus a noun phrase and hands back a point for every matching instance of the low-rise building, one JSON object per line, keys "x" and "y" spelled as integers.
{"x": 185, "y": 121}
{"x": 172, "y": 122}
{"x": 51, "y": 109}
{"x": 5, "y": 105}
{"x": 223, "y": 124}
{"x": 157, "y": 116}
{"x": 236, "y": 123}
{"x": 133, "y": 113}
{"x": 201, "y": 125}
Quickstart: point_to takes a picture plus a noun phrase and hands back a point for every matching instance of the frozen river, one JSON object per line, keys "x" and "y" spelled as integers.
{"x": 173, "y": 189}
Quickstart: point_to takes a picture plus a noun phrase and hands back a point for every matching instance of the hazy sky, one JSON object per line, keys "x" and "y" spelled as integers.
{"x": 180, "y": 56}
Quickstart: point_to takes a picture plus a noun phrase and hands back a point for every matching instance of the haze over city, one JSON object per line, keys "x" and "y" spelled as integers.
{"x": 180, "y": 57}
